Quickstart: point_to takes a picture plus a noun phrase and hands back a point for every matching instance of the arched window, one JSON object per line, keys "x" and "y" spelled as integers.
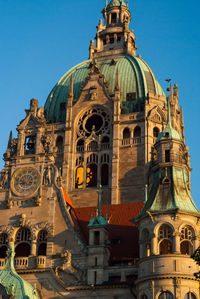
{"x": 59, "y": 144}
{"x": 146, "y": 243}
{"x": 156, "y": 131}
{"x": 113, "y": 18}
{"x": 3, "y": 245}
{"x": 190, "y": 296}
{"x": 23, "y": 242}
{"x": 165, "y": 295}
{"x": 186, "y": 240}
{"x": 126, "y": 133}
{"x": 137, "y": 132}
{"x": 104, "y": 174}
{"x": 42, "y": 242}
{"x": 91, "y": 175}
{"x": 79, "y": 173}
{"x": 165, "y": 239}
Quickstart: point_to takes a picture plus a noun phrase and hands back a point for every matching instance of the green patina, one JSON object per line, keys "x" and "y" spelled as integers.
{"x": 135, "y": 77}
{"x": 12, "y": 282}
{"x": 172, "y": 195}
{"x": 98, "y": 220}
{"x": 116, "y": 3}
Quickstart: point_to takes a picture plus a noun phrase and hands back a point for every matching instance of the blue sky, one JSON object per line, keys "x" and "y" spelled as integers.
{"x": 41, "y": 39}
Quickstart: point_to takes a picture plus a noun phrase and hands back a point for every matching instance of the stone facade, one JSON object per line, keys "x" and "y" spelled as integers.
{"x": 109, "y": 130}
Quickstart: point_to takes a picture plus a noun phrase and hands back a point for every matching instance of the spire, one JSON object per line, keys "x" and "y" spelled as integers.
{"x": 99, "y": 201}
{"x": 99, "y": 220}
{"x": 117, "y": 81}
{"x": 10, "y": 139}
{"x": 169, "y": 99}
{"x": 106, "y": 3}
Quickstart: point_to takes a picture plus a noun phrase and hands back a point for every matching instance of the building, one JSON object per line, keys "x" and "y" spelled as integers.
{"x": 95, "y": 193}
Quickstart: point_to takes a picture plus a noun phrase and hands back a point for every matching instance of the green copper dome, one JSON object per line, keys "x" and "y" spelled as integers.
{"x": 169, "y": 134}
{"x": 116, "y": 3}
{"x": 135, "y": 77}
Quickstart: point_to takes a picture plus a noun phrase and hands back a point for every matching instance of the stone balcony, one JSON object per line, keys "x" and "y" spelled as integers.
{"x": 21, "y": 263}
{"x": 41, "y": 262}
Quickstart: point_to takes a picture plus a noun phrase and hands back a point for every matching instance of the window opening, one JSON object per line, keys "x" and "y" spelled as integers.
{"x": 3, "y": 245}
{"x": 113, "y": 18}
{"x": 156, "y": 131}
{"x": 190, "y": 296}
{"x": 137, "y": 132}
{"x": 30, "y": 145}
{"x": 165, "y": 239}
{"x": 42, "y": 243}
{"x": 186, "y": 241}
{"x": 59, "y": 144}
{"x": 96, "y": 238}
{"x": 131, "y": 96}
{"x": 23, "y": 242}
{"x": 104, "y": 174}
{"x": 167, "y": 155}
{"x": 91, "y": 175}
{"x": 126, "y": 133}
{"x": 112, "y": 40}
{"x": 165, "y": 295}
{"x": 79, "y": 177}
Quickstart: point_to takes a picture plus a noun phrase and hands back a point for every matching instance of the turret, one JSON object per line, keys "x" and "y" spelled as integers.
{"x": 114, "y": 36}
{"x": 98, "y": 248}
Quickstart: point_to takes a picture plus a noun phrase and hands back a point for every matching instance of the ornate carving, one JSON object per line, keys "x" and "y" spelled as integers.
{"x": 43, "y": 225}
{"x": 46, "y": 141}
{"x": 69, "y": 268}
{"x": 4, "y": 179}
{"x": 47, "y": 176}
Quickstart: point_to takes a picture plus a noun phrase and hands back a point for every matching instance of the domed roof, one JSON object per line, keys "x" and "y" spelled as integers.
{"x": 169, "y": 134}
{"x": 116, "y": 3}
{"x": 135, "y": 77}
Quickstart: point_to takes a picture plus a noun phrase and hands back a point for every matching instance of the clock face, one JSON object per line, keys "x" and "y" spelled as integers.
{"x": 25, "y": 181}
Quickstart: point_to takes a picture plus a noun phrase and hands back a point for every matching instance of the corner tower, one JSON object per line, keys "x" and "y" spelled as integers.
{"x": 167, "y": 223}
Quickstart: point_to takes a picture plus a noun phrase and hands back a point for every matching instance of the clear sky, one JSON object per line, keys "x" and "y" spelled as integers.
{"x": 41, "y": 39}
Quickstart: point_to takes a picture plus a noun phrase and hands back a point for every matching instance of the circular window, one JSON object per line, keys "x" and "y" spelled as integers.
{"x": 95, "y": 120}
{"x": 94, "y": 123}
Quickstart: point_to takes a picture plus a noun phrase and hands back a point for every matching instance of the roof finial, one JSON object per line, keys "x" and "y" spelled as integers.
{"x": 106, "y": 3}
{"x": 169, "y": 99}
{"x": 99, "y": 200}
{"x": 127, "y": 3}
{"x": 146, "y": 193}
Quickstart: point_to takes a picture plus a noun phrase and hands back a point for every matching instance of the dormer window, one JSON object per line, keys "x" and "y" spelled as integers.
{"x": 113, "y": 18}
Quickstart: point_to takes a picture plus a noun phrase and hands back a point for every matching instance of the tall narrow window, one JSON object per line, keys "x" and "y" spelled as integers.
{"x": 113, "y": 18}
{"x": 190, "y": 296}
{"x": 167, "y": 155}
{"x": 91, "y": 175}
{"x": 104, "y": 174}
{"x": 59, "y": 144}
{"x": 137, "y": 132}
{"x": 156, "y": 131}
{"x": 126, "y": 133}
{"x": 96, "y": 238}
{"x": 165, "y": 239}
{"x": 42, "y": 243}
{"x": 186, "y": 240}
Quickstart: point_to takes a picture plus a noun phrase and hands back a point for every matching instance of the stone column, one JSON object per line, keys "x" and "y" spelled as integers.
{"x": 21, "y": 143}
{"x": 38, "y": 141}
{"x": 176, "y": 242}
{"x": 154, "y": 249}
{"x": 34, "y": 247}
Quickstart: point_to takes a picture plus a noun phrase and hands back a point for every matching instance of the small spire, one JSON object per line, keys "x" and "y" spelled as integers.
{"x": 117, "y": 82}
{"x": 127, "y": 3}
{"x": 106, "y": 3}
{"x": 71, "y": 90}
{"x": 10, "y": 139}
{"x": 146, "y": 193}
{"x": 99, "y": 200}
{"x": 169, "y": 98}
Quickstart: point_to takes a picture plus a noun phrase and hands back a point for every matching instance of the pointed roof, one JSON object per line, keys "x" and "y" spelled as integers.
{"x": 169, "y": 192}
{"x": 13, "y": 283}
{"x": 99, "y": 220}
{"x": 116, "y": 3}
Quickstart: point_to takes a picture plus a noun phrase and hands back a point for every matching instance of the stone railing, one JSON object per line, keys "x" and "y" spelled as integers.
{"x": 130, "y": 141}
{"x": 2, "y": 263}
{"x": 41, "y": 261}
{"x": 80, "y": 148}
{"x": 21, "y": 262}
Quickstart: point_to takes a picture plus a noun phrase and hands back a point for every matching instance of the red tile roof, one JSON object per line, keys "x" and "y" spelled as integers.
{"x": 123, "y": 234}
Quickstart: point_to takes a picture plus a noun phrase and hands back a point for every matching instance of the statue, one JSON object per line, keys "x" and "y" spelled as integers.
{"x": 4, "y": 180}
{"x": 46, "y": 141}
{"x": 47, "y": 176}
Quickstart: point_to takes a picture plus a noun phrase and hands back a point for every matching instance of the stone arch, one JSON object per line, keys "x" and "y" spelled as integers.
{"x": 187, "y": 235}
{"x": 43, "y": 226}
{"x": 145, "y": 241}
